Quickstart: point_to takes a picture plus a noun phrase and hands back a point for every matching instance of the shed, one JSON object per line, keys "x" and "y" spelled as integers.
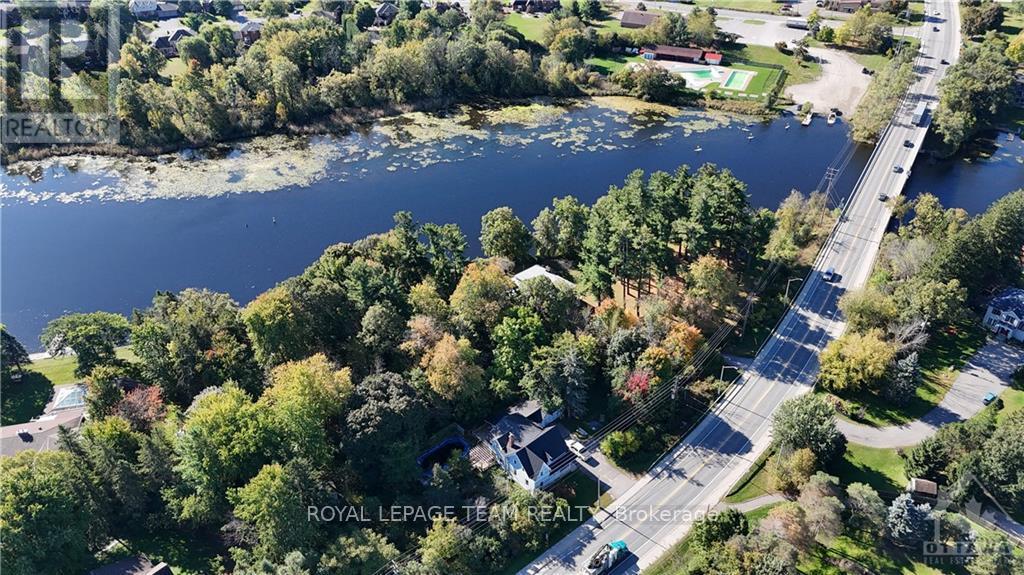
{"x": 923, "y": 487}
{"x": 713, "y": 58}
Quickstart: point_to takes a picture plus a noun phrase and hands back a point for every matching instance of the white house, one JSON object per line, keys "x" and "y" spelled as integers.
{"x": 531, "y": 447}
{"x": 540, "y": 271}
{"x": 1005, "y": 314}
{"x": 142, "y": 8}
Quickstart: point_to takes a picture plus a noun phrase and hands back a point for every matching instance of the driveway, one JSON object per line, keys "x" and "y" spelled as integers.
{"x": 841, "y": 84}
{"x": 988, "y": 371}
{"x": 613, "y": 480}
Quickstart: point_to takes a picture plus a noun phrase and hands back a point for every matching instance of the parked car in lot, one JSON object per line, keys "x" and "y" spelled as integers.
{"x": 882, "y": 197}
{"x": 829, "y": 275}
{"x": 897, "y": 169}
{"x": 908, "y": 144}
{"x": 989, "y": 398}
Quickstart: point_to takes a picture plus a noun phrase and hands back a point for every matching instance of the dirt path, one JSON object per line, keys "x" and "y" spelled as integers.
{"x": 840, "y": 85}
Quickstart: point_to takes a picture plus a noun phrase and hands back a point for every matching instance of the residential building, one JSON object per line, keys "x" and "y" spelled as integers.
{"x": 1005, "y": 314}
{"x": 541, "y": 271}
{"x": 137, "y": 565}
{"x": 143, "y": 9}
{"x": 386, "y": 12}
{"x": 674, "y": 53}
{"x": 713, "y": 58}
{"x": 166, "y": 42}
{"x": 851, "y": 6}
{"x": 531, "y": 447}
{"x": 636, "y": 19}
{"x": 530, "y": 6}
{"x": 250, "y": 31}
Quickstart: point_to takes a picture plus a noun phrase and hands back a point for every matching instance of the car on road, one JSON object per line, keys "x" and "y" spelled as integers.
{"x": 989, "y": 398}
{"x": 944, "y": 62}
{"x": 882, "y": 197}
{"x": 935, "y": 28}
{"x": 606, "y": 558}
{"x": 576, "y": 447}
{"x": 865, "y": 70}
{"x": 908, "y": 144}
{"x": 829, "y": 275}
{"x": 897, "y": 169}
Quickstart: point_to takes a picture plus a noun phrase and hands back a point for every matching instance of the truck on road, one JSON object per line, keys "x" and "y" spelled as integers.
{"x": 919, "y": 113}
{"x": 606, "y": 558}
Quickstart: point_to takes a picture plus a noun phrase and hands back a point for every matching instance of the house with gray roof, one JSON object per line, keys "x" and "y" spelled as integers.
{"x": 1005, "y": 314}
{"x": 531, "y": 447}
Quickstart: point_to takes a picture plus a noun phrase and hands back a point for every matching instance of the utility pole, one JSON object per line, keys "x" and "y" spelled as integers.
{"x": 791, "y": 280}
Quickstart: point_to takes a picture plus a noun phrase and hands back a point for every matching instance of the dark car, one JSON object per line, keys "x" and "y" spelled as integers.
{"x": 882, "y": 197}
{"x": 897, "y": 169}
{"x": 944, "y": 61}
{"x": 866, "y": 71}
{"x": 908, "y": 144}
{"x": 935, "y": 28}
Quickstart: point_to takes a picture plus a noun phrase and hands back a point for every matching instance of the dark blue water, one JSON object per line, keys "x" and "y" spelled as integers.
{"x": 96, "y": 255}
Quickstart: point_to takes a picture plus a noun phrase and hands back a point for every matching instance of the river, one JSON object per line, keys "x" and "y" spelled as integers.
{"x": 86, "y": 234}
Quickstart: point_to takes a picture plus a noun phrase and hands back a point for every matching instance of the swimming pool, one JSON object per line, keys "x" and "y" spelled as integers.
{"x": 738, "y": 80}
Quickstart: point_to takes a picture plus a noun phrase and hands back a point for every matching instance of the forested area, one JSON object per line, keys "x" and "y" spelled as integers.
{"x": 325, "y": 388}
{"x": 975, "y": 90}
{"x": 929, "y": 275}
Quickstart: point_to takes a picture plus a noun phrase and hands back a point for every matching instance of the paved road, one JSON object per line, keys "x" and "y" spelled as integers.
{"x": 989, "y": 370}
{"x": 657, "y": 511}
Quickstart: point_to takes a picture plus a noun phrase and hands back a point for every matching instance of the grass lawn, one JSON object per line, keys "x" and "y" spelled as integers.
{"x": 946, "y": 352}
{"x": 173, "y": 67}
{"x": 767, "y": 6}
{"x": 873, "y": 62}
{"x": 1013, "y": 401}
{"x": 864, "y": 551}
{"x": 797, "y": 73}
{"x": 916, "y": 13}
{"x": 186, "y": 553}
{"x": 611, "y": 63}
{"x": 22, "y": 400}
{"x": 1012, "y": 24}
{"x": 754, "y": 483}
{"x": 880, "y": 468}
{"x": 61, "y": 370}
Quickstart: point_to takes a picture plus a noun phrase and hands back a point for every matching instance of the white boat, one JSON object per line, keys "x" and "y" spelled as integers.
{"x": 831, "y": 118}
{"x": 807, "y": 119}
{"x": 787, "y": 126}
{"x": 750, "y": 136}
{"x": 698, "y": 149}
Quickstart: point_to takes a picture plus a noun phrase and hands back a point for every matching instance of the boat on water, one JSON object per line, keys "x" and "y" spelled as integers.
{"x": 698, "y": 149}
{"x": 787, "y": 126}
{"x": 831, "y": 118}
{"x": 750, "y": 136}
{"x": 807, "y": 119}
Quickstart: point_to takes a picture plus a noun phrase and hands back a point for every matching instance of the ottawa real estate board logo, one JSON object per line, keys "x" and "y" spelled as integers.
{"x": 59, "y": 75}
